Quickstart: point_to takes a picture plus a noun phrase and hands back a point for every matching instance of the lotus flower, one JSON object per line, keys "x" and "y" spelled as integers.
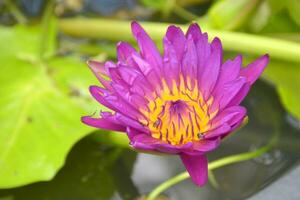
{"x": 183, "y": 102}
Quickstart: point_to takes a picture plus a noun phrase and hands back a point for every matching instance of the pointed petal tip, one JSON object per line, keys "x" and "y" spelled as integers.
{"x": 255, "y": 68}
{"x": 172, "y": 26}
{"x": 83, "y": 119}
{"x": 119, "y": 44}
{"x": 173, "y": 31}
{"x": 239, "y": 58}
{"x": 92, "y": 63}
{"x": 195, "y": 26}
{"x": 95, "y": 66}
{"x": 266, "y": 56}
{"x": 103, "y": 123}
{"x": 264, "y": 59}
{"x": 216, "y": 42}
{"x": 197, "y": 167}
{"x": 87, "y": 118}
{"x": 136, "y": 28}
{"x": 93, "y": 89}
{"x": 134, "y": 22}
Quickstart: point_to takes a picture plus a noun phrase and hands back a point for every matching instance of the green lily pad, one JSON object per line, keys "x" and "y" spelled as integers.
{"x": 40, "y": 117}
{"x": 285, "y": 77}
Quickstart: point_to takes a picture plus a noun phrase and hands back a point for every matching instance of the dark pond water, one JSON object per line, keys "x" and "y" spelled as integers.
{"x": 97, "y": 172}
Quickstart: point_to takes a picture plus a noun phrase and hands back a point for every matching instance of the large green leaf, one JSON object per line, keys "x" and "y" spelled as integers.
{"x": 90, "y": 173}
{"x": 294, "y": 10}
{"x": 285, "y": 76}
{"x": 40, "y": 117}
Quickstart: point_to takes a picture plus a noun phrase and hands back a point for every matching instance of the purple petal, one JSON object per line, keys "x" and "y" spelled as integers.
{"x": 114, "y": 102}
{"x": 197, "y": 167}
{"x": 229, "y": 92}
{"x": 99, "y": 93}
{"x": 221, "y": 130}
{"x": 129, "y": 75}
{"x": 135, "y": 99}
{"x": 103, "y": 123}
{"x": 147, "y": 70}
{"x": 144, "y": 141}
{"x": 203, "y": 51}
{"x": 171, "y": 149}
{"x": 141, "y": 87}
{"x": 229, "y": 71}
{"x": 131, "y": 123}
{"x": 254, "y": 69}
{"x": 211, "y": 70}
{"x": 195, "y": 31}
{"x": 176, "y": 38}
{"x": 124, "y": 54}
{"x": 99, "y": 70}
{"x": 171, "y": 67}
{"x": 141, "y": 141}
{"x": 206, "y": 145}
{"x": 240, "y": 95}
{"x": 148, "y": 48}
{"x": 230, "y": 116}
{"x": 189, "y": 62}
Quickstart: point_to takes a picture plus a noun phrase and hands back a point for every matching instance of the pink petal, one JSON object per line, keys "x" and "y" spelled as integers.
{"x": 240, "y": 95}
{"x": 143, "y": 141}
{"x": 254, "y": 69}
{"x": 135, "y": 99}
{"x": 206, "y": 145}
{"x": 99, "y": 70}
{"x": 211, "y": 70}
{"x": 195, "y": 31}
{"x": 124, "y": 54}
{"x": 229, "y": 116}
{"x": 171, "y": 62}
{"x": 176, "y": 38}
{"x": 114, "y": 102}
{"x": 147, "y": 47}
{"x": 197, "y": 167}
{"x": 230, "y": 91}
{"x": 229, "y": 71}
{"x": 147, "y": 70}
{"x": 103, "y": 123}
{"x": 221, "y": 130}
{"x": 203, "y": 51}
{"x": 189, "y": 62}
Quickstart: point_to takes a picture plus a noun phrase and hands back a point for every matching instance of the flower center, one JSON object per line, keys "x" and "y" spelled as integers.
{"x": 178, "y": 114}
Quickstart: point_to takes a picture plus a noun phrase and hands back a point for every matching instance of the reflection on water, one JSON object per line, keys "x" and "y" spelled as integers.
{"x": 97, "y": 172}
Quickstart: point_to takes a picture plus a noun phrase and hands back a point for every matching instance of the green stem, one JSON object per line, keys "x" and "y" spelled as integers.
{"x": 233, "y": 41}
{"x": 20, "y": 17}
{"x": 212, "y": 179}
{"x": 214, "y": 165}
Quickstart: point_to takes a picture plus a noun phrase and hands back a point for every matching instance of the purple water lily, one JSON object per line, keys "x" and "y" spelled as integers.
{"x": 184, "y": 102}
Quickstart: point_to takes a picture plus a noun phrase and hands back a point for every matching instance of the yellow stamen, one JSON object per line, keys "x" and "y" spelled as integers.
{"x": 178, "y": 114}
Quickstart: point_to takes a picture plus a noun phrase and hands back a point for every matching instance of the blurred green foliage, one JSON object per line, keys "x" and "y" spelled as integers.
{"x": 41, "y": 104}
